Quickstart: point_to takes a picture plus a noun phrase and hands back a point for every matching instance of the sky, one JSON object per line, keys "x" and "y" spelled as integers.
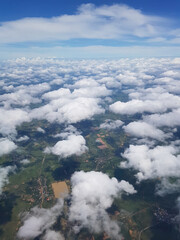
{"x": 89, "y": 29}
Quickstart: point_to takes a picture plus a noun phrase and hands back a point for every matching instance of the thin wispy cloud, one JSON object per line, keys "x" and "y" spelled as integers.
{"x": 90, "y": 22}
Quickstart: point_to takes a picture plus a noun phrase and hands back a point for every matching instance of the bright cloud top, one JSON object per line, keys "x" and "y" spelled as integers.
{"x": 110, "y": 124}
{"x": 161, "y": 161}
{"x": 68, "y": 109}
{"x": 73, "y": 145}
{"x": 39, "y": 221}
{"x": 6, "y": 146}
{"x": 92, "y": 193}
{"x": 143, "y": 130}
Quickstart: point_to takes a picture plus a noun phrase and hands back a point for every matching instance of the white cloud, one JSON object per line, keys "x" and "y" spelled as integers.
{"x": 6, "y": 146}
{"x": 41, "y": 130}
{"x": 143, "y": 130}
{"x": 39, "y": 220}
{"x": 161, "y": 161}
{"x": 98, "y": 91}
{"x": 129, "y": 78}
{"x": 25, "y": 161}
{"x": 74, "y": 144}
{"x": 24, "y": 95}
{"x": 10, "y": 118}
{"x": 92, "y": 193}
{"x": 18, "y": 98}
{"x": 170, "y": 119}
{"x": 85, "y": 83}
{"x": 104, "y": 22}
{"x": 4, "y": 171}
{"x": 140, "y": 106}
{"x": 23, "y": 138}
{"x": 68, "y": 110}
{"x": 69, "y": 130}
{"x": 110, "y": 124}
{"x": 61, "y": 92}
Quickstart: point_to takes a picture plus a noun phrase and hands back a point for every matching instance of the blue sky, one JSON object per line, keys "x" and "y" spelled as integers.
{"x": 83, "y": 29}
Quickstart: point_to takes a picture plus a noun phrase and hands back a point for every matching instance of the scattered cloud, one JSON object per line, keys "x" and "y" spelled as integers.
{"x": 143, "y": 130}
{"x": 67, "y": 92}
{"x": 92, "y": 193}
{"x": 23, "y": 138}
{"x": 160, "y": 161}
{"x": 25, "y": 161}
{"x": 139, "y": 106}
{"x": 68, "y": 131}
{"x": 70, "y": 110}
{"x": 6, "y": 146}
{"x": 39, "y": 221}
{"x": 110, "y": 124}
{"x": 41, "y": 130}
{"x": 170, "y": 119}
{"x": 4, "y": 171}
{"x": 10, "y": 118}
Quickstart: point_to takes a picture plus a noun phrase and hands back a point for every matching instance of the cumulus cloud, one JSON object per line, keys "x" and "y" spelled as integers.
{"x": 25, "y": 161}
{"x": 41, "y": 130}
{"x": 85, "y": 83}
{"x": 92, "y": 193}
{"x": 10, "y": 118}
{"x": 62, "y": 92}
{"x": 161, "y": 161}
{"x": 17, "y": 98}
{"x": 6, "y": 146}
{"x": 98, "y": 91}
{"x": 69, "y": 130}
{"x": 40, "y": 220}
{"x": 140, "y": 106}
{"x": 110, "y": 124}
{"x": 73, "y": 145}
{"x": 24, "y": 95}
{"x": 143, "y": 130}
{"x": 4, "y": 171}
{"x": 170, "y": 119}
{"x": 23, "y": 138}
{"x": 68, "y": 110}
{"x": 73, "y": 107}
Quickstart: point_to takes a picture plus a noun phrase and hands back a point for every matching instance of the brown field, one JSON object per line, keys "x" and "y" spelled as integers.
{"x": 104, "y": 145}
{"x": 60, "y": 189}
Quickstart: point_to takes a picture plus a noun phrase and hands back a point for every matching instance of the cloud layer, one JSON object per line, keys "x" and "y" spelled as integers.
{"x": 141, "y": 94}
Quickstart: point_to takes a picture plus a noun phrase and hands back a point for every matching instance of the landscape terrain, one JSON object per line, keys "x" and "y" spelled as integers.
{"x": 89, "y": 149}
